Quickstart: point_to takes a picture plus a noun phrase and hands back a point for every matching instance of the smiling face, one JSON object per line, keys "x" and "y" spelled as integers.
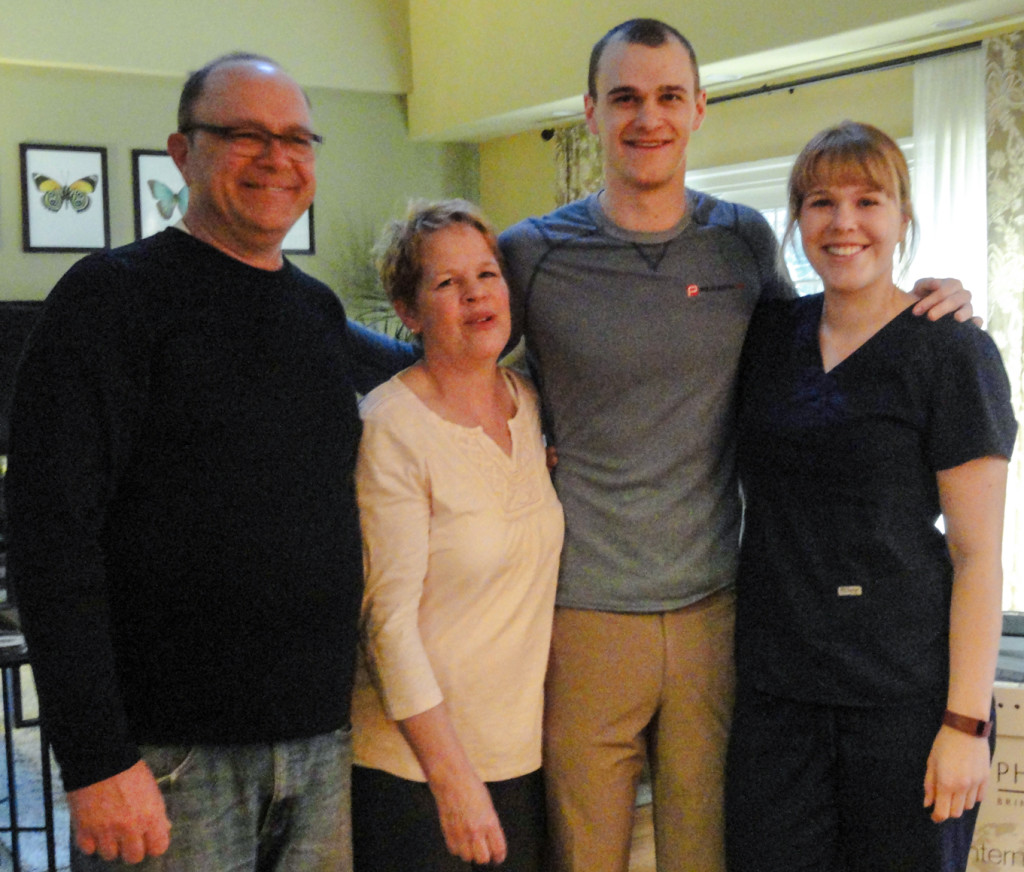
{"x": 850, "y": 229}
{"x": 461, "y": 311}
{"x": 646, "y": 106}
{"x": 849, "y": 192}
{"x": 245, "y": 205}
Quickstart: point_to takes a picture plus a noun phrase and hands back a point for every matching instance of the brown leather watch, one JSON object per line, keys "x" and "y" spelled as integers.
{"x": 971, "y": 726}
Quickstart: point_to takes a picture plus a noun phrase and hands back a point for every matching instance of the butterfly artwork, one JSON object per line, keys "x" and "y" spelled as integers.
{"x": 167, "y": 200}
{"x": 56, "y": 196}
{"x": 161, "y": 193}
{"x": 64, "y": 205}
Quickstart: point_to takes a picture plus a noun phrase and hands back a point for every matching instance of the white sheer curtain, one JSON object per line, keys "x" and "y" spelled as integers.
{"x": 949, "y": 181}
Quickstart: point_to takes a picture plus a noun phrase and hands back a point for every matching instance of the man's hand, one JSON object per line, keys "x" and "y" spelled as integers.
{"x": 121, "y": 816}
{"x": 939, "y": 297}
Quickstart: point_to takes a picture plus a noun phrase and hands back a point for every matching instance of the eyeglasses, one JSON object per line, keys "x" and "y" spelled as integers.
{"x": 249, "y": 141}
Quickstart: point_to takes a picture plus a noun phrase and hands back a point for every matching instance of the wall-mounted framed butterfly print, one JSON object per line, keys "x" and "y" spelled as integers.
{"x": 161, "y": 195}
{"x": 64, "y": 198}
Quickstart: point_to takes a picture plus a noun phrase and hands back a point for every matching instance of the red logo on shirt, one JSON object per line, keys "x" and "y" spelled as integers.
{"x": 692, "y": 290}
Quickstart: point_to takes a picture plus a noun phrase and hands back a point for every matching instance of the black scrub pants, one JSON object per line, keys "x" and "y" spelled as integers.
{"x": 835, "y": 789}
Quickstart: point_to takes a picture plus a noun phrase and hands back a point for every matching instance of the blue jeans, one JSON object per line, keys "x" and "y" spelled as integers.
{"x": 282, "y": 807}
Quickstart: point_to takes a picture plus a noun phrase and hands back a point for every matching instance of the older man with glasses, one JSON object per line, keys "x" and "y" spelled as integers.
{"x": 184, "y": 540}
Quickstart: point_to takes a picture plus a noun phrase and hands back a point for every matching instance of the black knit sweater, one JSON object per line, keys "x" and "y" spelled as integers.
{"x": 184, "y": 539}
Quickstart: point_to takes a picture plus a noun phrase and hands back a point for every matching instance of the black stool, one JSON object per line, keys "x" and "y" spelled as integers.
{"x": 12, "y": 659}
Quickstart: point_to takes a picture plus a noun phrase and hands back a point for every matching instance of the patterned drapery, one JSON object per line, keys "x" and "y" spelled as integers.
{"x": 1004, "y": 86}
{"x": 578, "y": 158}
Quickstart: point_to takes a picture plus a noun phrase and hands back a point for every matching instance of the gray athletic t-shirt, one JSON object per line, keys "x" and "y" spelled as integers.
{"x": 634, "y": 339}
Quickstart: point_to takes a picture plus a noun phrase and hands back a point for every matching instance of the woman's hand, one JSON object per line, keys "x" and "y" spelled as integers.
{"x": 468, "y": 819}
{"x": 957, "y": 773}
{"x": 471, "y": 827}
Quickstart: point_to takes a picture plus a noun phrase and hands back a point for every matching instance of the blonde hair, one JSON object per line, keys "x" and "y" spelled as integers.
{"x": 857, "y": 152}
{"x": 398, "y": 252}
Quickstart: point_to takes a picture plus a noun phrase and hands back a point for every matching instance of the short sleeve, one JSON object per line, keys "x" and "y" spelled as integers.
{"x": 972, "y": 412}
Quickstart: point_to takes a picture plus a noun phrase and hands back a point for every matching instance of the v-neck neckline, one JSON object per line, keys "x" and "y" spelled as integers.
{"x": 877, "y": 335}
{"x": 477, "y": 430}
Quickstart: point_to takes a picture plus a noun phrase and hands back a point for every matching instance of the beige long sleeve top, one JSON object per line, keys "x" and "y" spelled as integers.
{"x": 461, "y": 548}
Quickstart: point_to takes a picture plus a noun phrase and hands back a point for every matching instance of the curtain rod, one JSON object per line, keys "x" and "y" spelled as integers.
{"x": 838, "y": 74}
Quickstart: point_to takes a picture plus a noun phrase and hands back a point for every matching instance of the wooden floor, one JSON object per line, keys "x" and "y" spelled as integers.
{"x": 641, "y": 857}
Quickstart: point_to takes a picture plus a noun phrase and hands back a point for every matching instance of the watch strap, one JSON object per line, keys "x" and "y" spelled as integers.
{"x": 971, "y": 726}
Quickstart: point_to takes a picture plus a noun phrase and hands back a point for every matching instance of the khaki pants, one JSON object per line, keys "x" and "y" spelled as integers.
{"x": 622, "y": 686}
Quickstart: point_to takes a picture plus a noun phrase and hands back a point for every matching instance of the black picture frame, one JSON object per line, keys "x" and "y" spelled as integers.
{"x": 301, "y": 239}
{"x": 65, "y": 203}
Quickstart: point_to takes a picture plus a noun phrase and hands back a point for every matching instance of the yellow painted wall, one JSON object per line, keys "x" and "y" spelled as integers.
{"x": 780, "y": 123}
{"x": 517, "y": 178}
{"x": 360, "y": 45}
{"x": 367, "y": 170}
{"x": 518, "y": 172}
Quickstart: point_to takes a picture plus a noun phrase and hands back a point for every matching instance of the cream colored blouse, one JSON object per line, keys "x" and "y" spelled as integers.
{"x": 461, "y": 547}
